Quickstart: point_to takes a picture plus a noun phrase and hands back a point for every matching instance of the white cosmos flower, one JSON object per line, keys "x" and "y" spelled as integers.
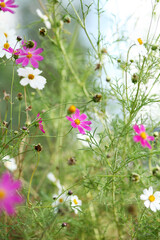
{"x": 60, "y": 199}
{"x": 6, "y": 43}
{"x": 31, "y": 76}
{"x": 151, "y": 200}
{"x": 10, "y": 163}
{"x": 140, "y": 47}
{"x": 44, "y": 18}
{"x": 75, "y": 204}
{"x": 51, "y": 177}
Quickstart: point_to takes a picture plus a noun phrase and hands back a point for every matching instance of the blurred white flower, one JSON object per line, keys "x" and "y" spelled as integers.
{"x": 151, "y": 200}
{"x": 10, "y": 163}
{"x": 31, "y": 77}
{"x": 44, "y": 18}
{"x": 60, "y": 199}
{"x": 51, "y": 177}
{"x": 140, "y": 47}
{"x": 75, "y": 204}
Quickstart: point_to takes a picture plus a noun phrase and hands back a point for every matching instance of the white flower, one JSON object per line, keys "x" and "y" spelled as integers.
{"x": 51, "y": 177}
{"x": 44, "y": 18}
{"x": 31, "y": 77}
{"x": 60, "y": 199}
{"x": 75, "y": 204}
{"x": 151, "y": 200}
{"x": 8, "y": 39}
{"x": 140, "y": 47}
{"x": 10, "y": 163}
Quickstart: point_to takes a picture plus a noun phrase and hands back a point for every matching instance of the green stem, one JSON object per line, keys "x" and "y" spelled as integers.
{"x": 12, "y": 97}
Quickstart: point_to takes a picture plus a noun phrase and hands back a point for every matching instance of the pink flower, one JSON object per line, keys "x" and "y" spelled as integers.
{"x": 5, "y": 6}
{"x": 78, "y": 121}
{"x": 9, "y": 196}
{"x": 31, "y": 55}
{"x": 40, "y": 123}
{"x": 142, "y": 136}
{"x": 12, "y": 51}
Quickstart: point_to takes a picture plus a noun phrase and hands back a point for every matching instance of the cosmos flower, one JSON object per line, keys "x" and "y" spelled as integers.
{"x": 32, "y": 77}
{"x": 6, "y": 44}
{"x": 60, "y": 199}
{"x": 10, "y": 163}
{"x": 9, "y": 196}
{"x": 75, "y": 204}
{"x": 51, "y": 177}
{"x": 29, "y": 54}
{"x": 142, "y": 136}
{"x": 77, "y": 121}
{"x": 140, "y": 47}
{"x": 6, "y": 5}
{"x": 40, "y": 123}
{"x": 151, "y": 200}
{"x": 44, "y": 18}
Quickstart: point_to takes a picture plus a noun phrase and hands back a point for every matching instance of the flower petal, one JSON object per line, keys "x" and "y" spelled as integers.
{"x": 143, "y": 197}
{"x": 136, "y": 129}
{"x": 147, "y": 203}
{"x": 137, "y": 138}
{"x": 81, "y": 130}
{"x": 150, "y": 138}
{"x": 83, "y": 116}
{"x": 142, "y": 128}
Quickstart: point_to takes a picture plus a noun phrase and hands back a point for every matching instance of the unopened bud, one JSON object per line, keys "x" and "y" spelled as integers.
{"x": 43, "y": 32}
{"x": 131, "y": 60}
{"x": 154, "y": 47}
{"x": 135, "y": 78}
{"x": 103, "y": 51}
{"x": 108, "y": 79}
{"x": 70, "y": 192}
{"x": 19, "y": 38}
{"x": 29, "y": 44}
{"x": 118, "y": 60}
{"x": 156, "y": 171}
{"x": 98, "y": 66}
{"x": 156, "y": 134}
{"x": 38, "y": 147}
{"x": 97, "y": 98}
{"x": 6, "y": 96}
{"x": 66, "y": 19}
{"x": 64, "y": 224}
{"x": 135, "y": 177}
{"x": 20, "y": 96}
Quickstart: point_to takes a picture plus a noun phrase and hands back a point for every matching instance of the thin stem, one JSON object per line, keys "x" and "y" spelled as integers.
{"x": 12, "y": 97}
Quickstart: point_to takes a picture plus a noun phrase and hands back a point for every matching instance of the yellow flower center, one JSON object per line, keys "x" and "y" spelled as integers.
{"x": 151, "y": 198}
{"x": 75, "y": 201}
{"x": 72, "y": 109}
{"x": 77, "y": 121}
{"x": 6, "y": 35}
{"x": 29, "y": 55}
{"x": 2, "y": 4}
{"x": 143, "y": 135}
{"x": 31, "y": 76}
{"x": 140, "y": 41}
{"x": 6, "y": 45}
{"x": 2, "y": 194}
{"x": 61, "y": 200}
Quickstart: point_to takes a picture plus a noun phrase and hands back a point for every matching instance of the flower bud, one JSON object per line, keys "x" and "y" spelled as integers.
{"x": 118, "y": 60}
{"x": 24, "y": 128}
{"x": 156, "y": 134}
{"x": 38, "y": 147}
{"x": 15, "y": 132}
{"x": 98, "y": 66}
{"x": 29, "y": 44}
{"x": 97, "y": 98}
{"x": 135, "y": 177}
{"x": 71, "y": 161}
{"x": 108, "y": 79}
{"x": 135, "y": 78}
{"x": 6, "y": 124}
{"x": 64, "y": 224}
{"x": 19, "y": 38}
{"x": 71, "y": 109}
{"x": 154, "y": 47}
{"x": 6, "y": 96}
{"x": 103, "y": 51}
{"x": 156, "y": 171}
{"x": 70, "y": 192}
{"x": 20, "y": 96}
{"x": 43, "y": 32}
{"x": 66, "y": 19}
{"x": 131, "y": 60}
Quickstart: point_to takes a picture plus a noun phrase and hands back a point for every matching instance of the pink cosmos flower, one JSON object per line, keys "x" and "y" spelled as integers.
{"x": 31, "y": 55}
{"x": 77, "y": 121}
{"x": 5, "y": 6}
{"x": 12, "y": 51}
{"x": 142, "y": 136}
{"x": 9, "y": 196}
{"x": 40, "y": 123}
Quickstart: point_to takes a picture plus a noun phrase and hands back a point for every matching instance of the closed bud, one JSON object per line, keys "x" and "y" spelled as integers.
{"x": 24, "y": 128}
{"x": 6, "y": 124}
{"x": 43, "y": 32}
{"x": 29, "y": 44}
{"x": 135, "y": 177}
{"x": 38, "y": 147}
{"x": 108, "y": 79}
{"x": 71, "y": 161}
{"x": 20, "y": 96}
{"x": 156, "y": 171}
{"x": 154, "y": 47}
{"x": 66, "y": 19}
{"x": 6, "y": 96}
{"x": 64, "y": 224}
{"x": 103, "y": 51}
{"x": 156, "y": 134}
{"x": 131, "y": 60}
{"x": 29, "y": 108}
{"x": 135, "y": 78}
{"x": 118, "y": 60}
{"x": 19, "y": 38}
{"x": 15, "y": 132}
{"x": 97, "y": 98}
{"x": 70, "y": 192}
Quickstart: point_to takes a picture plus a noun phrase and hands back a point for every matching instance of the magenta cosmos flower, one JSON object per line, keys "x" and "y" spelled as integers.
{"x": 31, "y": 55}
{"x": 9, "y": 196}
{"x": 6, "y": 5}
{"x": 40, "y": 123}
{"x": 142, "y": 136}
{"x": 77, "y": 121}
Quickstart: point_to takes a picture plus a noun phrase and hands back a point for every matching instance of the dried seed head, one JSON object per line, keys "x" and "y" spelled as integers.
{"x": 71, "y": 161}
{"x": 97, "y": 98}
{"x": 43, "y": 32}
{"x": 20, "y": 96}
{"x": 38, "y": 147}
{"x": 98, "y": 66}
{"x": 29, "y": 108}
